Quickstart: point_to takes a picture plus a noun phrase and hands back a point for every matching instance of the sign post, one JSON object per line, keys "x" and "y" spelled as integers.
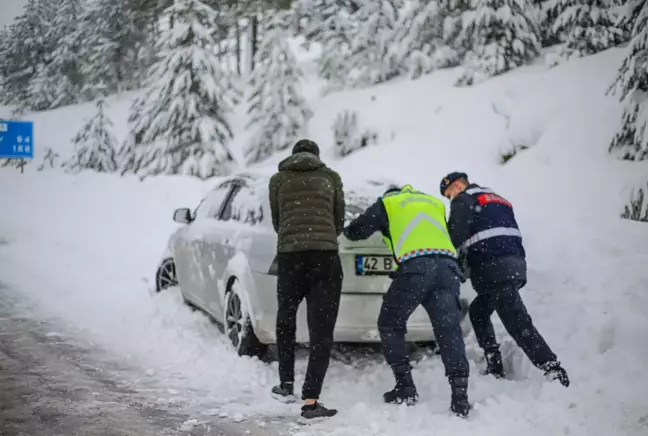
{"x": 16, "y": 139}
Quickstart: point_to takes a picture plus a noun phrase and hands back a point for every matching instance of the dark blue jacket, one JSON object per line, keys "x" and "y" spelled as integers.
{"x": 473, "y": 215}
{"x": 374, "y": 219}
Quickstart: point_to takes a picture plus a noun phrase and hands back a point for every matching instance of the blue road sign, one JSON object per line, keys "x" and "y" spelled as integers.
{"x": 16, "y": 139}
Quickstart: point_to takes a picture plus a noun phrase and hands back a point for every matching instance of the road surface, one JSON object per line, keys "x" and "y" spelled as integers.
{"x": 55, "y": 385}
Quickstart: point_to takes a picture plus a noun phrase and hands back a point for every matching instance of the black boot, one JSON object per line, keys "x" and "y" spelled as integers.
{"x": 284, "y": 393}
{"x": 494, "y": 363}
{"x": 459, "y": 401}
{"x": 317, "y": 410}
{"x": 553, "y": 371}
{"x": 404, "y": 391}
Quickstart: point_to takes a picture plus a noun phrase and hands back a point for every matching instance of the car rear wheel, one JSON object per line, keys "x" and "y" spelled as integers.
{"x": 166, "y": 275}
{"x": 238, "y": 325}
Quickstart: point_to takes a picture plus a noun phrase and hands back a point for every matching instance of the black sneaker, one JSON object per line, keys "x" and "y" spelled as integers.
{"x": 459, "y": 404}
{"x": 494, "y": 364}
{"x": 553, "y": 371}
{"x": 317, "y": 410}
{"x": 284, "y": 393}
{"x": 404, "y": 391}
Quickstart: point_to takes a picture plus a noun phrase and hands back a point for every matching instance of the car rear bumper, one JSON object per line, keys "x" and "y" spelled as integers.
{"x": 356, "y": 322}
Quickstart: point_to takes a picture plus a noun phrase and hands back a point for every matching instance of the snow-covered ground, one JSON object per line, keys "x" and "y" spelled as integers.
{"x": 84, "y": 248}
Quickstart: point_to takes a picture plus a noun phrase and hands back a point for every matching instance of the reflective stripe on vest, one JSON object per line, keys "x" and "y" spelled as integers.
{"x": 491, "y": 233}
{"x": 407, "y": 212}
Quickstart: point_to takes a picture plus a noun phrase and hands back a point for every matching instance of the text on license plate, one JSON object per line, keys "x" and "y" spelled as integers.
{"x": 374, "y": 265}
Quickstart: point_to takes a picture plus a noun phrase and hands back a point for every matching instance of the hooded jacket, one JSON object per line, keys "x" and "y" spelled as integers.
{"x": 307, "y": 205}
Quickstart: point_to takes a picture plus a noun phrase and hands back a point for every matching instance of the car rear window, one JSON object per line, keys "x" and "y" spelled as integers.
{"x": 356, "y": 204}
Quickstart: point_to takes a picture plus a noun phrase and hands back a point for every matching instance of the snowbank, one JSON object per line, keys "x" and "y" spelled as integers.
{"x": 84, "y": 249}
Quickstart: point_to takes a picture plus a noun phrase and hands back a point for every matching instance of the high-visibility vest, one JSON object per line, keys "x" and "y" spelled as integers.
{"x": 417, "y": 225}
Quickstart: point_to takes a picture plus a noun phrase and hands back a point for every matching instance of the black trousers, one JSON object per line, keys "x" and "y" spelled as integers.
{"x": 316, "y": 276}
{"x": 504, "y": 298}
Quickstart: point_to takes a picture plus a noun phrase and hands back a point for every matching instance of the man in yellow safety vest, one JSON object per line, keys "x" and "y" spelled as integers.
{"x": 414, "y": 227}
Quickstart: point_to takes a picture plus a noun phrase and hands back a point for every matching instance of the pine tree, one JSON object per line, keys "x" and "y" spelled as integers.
{"x": 95, "y": 145}
{"x": 370, "y": 60}
{"x": 330, "y": 25}
{"x": 589, "y": 27}
{"x": 457, "y": 15}
{"x": 548, "y": 11}
{"x": 631, "y": 84}
{"x": 505, "y": 35}
{"x": 25, "y": 52}
{"x": 180, "y": 124}
{"x": 61, "y": 76}
{"x": 336, "y": 44}
{"x": 278, "y": 111}
{"x": 420, "y": 43}
{"x": 110, "y": 50}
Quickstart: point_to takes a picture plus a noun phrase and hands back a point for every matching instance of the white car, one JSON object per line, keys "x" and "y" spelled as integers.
{"x": 224, "y": 260}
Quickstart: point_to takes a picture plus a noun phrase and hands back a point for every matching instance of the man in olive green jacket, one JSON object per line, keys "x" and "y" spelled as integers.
{"x": 307, "y": 206}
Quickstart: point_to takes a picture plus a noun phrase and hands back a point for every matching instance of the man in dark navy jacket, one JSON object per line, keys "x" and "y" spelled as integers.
{"x": 483, "y": 228}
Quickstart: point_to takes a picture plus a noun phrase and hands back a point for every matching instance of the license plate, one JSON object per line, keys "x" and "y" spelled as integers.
{"x": 374, "y": 265}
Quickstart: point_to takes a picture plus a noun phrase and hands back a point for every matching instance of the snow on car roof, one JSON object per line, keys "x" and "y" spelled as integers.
{"x": 248, "y": 203}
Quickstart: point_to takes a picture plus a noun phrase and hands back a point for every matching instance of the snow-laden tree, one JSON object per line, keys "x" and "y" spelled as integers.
{"x": 419, "y": 38}
{"x": 277, "y": 109}
{"x": 548, "y": 11}
{"x": 631, "y": 85}
{"x": 25, "y": 49}
{"x": 61, "y": 76}
{"x": 112, "y": 39}
{"x": 505, "y": 35}
{"x": 95, "y": 145}
{"x": 457, "y": 16}
{"x": 589, "y": 26}
{"x": 330, "y": 25}
{"x": 180, "y": 125}
{"x": 347, "y": 135}
{"x": 371, "y": 60}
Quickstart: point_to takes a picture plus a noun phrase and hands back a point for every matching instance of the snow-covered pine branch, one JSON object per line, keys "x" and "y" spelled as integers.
{"x": 589, "y": 27}
{"x": 25, "y": 52}
{"x": 110, "y": 49}
{"x": 371, "y": 60}
{"x": 278, "y": 111}
{"x": 631, "y": 85}
{"x": 505, "y": 35}
{"x": 95, "y": 145}
{"x": 180, "y": 125}
{"x": 419, "y": 39}
{"x": 330, "y": 24}
{"x": 60, "y": 79}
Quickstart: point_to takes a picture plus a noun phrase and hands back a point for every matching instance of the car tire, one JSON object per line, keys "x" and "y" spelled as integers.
{"x": 237, "y": 324}
{"x": 166, "y": 277}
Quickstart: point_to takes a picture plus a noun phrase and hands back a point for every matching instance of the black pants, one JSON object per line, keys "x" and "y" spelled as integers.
{"x": 316, "y": 276}
{"x": 433, "y": 283}
{"x": 504, "y": 298}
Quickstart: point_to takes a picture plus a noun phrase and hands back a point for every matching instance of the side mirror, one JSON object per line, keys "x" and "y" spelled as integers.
{"x": 182, "y": 216}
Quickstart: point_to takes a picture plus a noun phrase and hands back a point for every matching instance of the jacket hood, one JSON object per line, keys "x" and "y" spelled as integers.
{"x": 301, "y": 162}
